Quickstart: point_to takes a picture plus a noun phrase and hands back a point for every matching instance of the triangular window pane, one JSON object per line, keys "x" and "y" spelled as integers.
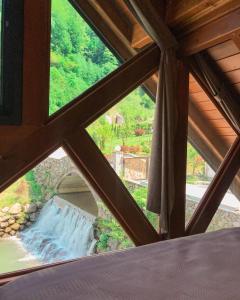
{"x": 124, "y": 134}
{"x": 199, "y": 177}
{"x": 78, "y": 56}
{"x": 52, "y": 214}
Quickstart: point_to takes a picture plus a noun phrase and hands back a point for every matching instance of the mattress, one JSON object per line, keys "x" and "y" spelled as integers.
{"x": 205, "y": 266}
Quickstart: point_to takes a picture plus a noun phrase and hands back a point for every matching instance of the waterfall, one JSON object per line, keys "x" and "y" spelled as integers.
{"x": 62, "y": 231}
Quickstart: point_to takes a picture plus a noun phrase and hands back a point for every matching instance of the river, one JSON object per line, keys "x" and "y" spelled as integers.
{"x": 14, "y": 257}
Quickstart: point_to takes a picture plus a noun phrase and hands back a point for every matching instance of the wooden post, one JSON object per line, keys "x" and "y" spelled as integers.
{"x": 36, "y": 67}
{"x": 177, "y": 219}
{"x": 216, "y": 191}
{"x": 89, "y": 159}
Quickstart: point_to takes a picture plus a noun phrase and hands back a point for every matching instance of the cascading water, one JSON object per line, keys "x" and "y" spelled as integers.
{"x": 61, "y": 232}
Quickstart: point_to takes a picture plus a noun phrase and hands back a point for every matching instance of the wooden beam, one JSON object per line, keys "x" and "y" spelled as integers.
{"x": 12, "y": 135}
{"x": 209, "y": 35}
{"x": 80, "y": 112}
{"x": 94, "y": 166}
{"x": 216, "y": 191}
{"x": 36, "y": 67}
{"x": 177, "y": 218}
{"x": 236, "y": 38}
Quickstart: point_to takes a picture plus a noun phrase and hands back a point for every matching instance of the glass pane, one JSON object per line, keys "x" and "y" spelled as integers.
{"x": 124, "y": 134}
{"x": 78, "y": 56}
{"x": 199, "y": 176}
{"x": 52, "y": 214}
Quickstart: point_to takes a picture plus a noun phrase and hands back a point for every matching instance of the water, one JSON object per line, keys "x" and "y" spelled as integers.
{"x": 14, "y": 256}
{"x": 62, "y": 231}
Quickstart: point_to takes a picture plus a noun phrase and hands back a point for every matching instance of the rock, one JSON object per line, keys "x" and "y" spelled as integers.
{"x": 28, "y": 224}
{"x": 4, "y": 218}
{"x": 15, "y": 209}
{"x": 12, "y": 232}
{"x": 1, "y": 233}
{"x": 5, "y": 209}
{"x": 21, "y": 227}
{"x": 30, "y": 208}
{"x": 15, "y": 226}
{"x": 22, "y": 221}
{"x": 5, "y": 236}
{"x": 33, "y": 217}
{"x": 3, "y": 224}
{"x": 7, "y": 230}
{"x": 39, "y": 205}
{"x": 11, "y": 221}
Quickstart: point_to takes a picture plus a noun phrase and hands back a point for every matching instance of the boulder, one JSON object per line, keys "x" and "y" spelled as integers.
{"x": 5, "y": 209}
{"x": 11, "y": 221}
{"x": 39, "y": 205}
{"x": 30, "y": 208}
{"x": 12, "y": 232}
{"x": 15, "y": 226}
{"x": 33, "y": 217}
{"x": 22, "y": 221}
{"x": 15, "y": 209}
{"x": 4, "y": 218}
{"x": 21, "y": 227}
{"x": 28, "y": 224}
{"x": 5, "y": 236}
{"x": 1, "y": 233}
{"x": 7, "y": 230}
{"x": 3, "y": 224}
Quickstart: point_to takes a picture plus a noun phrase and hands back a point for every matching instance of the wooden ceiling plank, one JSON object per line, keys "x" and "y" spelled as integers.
{"x": 230, "y": 63}
{"x": 218, "y": 187}
{"x": 89, "y": 159}
{"x": 211, "y": 34}
{"x": 223, "y": 50}
{"x": 200, "y": 13}
{"x": 80, "y": 112}
{"x": 236, "y": 39}
{"x": 233, "y": 76}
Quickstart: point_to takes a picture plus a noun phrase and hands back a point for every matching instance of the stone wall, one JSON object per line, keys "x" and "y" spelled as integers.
{"x": 49, "y": 172}
{"x": 17, "y": 217}
{"x": 222, "y": 218}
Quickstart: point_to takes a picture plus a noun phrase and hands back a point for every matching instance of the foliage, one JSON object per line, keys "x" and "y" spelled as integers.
{"x": 195, "y": 162}
{"x": 78, "y": 57}
{"x": 110, "y": 232}
{"x": 35, "y": 191}
{"x": 18, "y": 192}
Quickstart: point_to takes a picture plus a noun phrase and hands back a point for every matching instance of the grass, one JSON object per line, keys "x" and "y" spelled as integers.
{"x": 23, "y": 191}
{"x": 18, "y": 192}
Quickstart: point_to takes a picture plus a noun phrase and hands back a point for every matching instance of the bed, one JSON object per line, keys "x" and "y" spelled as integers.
{"x": 205, "y": 266}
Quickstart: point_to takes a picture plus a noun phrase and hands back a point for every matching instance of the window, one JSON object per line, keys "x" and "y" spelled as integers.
{"x": 11, "y": 50}
{"x": 79, "y": 58}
